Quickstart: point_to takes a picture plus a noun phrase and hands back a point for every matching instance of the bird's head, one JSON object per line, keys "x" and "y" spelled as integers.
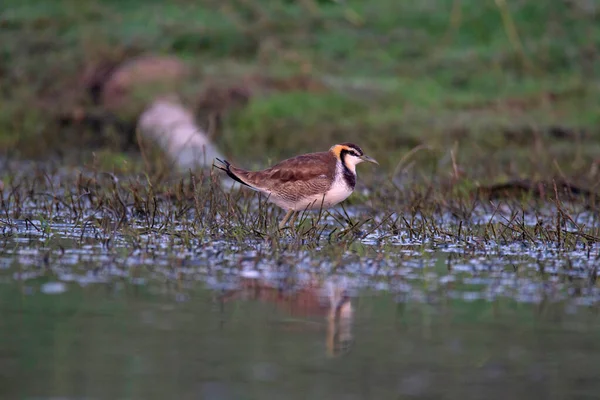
{"x": 350, "y": 155}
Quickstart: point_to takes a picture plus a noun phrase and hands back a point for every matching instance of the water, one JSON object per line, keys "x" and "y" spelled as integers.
{"x": 430, "y": 317}
{"x": 124, "y": 341}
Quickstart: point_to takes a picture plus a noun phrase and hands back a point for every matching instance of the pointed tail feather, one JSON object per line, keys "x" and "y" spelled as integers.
{"x": 226, "y": 166}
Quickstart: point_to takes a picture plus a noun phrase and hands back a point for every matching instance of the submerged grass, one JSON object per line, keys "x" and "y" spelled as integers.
{"x": 483, "y": 115}
{"x": 426, "y": 240}
{"x": 426, "y": 210}
{"x": 423, "y": 240}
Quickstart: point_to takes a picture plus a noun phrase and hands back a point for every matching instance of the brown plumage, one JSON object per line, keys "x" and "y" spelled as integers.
{"x": 308, "y": 181}
{"x": 297, "y": 177}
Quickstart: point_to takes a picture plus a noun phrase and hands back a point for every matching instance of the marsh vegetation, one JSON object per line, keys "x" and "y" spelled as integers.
{"x": 470, "y": 256}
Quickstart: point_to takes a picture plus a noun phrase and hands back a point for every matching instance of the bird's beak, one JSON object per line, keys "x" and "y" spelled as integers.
{"x": 369, "y": 159}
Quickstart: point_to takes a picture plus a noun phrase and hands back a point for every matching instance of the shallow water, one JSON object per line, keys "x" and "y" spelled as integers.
{"x": 124, "y": 341}
{"x": 433, "y": 317}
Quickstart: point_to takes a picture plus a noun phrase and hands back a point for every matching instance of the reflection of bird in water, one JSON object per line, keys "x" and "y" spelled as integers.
{"x": 339, "y": 319}
{"x": 329, "y": 300}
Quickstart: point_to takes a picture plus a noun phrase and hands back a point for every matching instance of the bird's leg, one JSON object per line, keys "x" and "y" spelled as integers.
{"x": 285, "y": 219}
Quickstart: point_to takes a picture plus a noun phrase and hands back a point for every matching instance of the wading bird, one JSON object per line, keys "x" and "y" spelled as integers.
{"x": 305, "y": 182}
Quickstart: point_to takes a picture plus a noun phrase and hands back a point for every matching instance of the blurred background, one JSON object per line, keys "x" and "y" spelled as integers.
{"x": 276, "y": 78}
{"x": 116, "y": 283}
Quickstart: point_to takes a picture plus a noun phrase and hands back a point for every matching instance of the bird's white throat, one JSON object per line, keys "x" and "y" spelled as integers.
{"x": 351, "y": 161}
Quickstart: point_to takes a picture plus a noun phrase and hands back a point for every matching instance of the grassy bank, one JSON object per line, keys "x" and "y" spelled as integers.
{"x": 515, "y": 84}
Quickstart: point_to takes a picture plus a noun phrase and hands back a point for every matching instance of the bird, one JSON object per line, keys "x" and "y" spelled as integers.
{"x": 305, "y": 182}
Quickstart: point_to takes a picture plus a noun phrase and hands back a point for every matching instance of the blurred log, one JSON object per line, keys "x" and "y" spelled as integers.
{"x": 137, "y": 80}
{"x": 539, "y": 189}
{"x": 172, "y": 127}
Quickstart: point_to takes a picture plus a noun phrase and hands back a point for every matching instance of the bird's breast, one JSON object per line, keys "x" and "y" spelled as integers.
{"x": 338, "y": 192}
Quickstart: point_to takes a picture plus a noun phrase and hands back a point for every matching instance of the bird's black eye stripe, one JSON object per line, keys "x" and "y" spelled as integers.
{"x": 350, "y": 151}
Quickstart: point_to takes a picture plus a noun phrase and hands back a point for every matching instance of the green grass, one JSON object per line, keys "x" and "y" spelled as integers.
{"x": 442, "y": 93}
{"x": 399, "y": 74}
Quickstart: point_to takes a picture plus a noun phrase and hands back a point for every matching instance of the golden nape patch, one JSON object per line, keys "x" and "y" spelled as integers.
{"x": 337, "y": 150}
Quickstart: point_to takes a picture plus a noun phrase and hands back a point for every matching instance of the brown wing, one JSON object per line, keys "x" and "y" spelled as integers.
{"x": 309, "y": 174}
